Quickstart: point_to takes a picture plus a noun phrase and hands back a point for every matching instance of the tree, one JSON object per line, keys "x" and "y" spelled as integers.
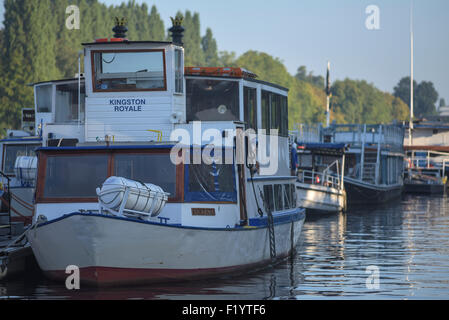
{"x": 424, "y": 96}
{"x": 192, "y": 40}
{"x": 226, "y": 59}
{"x": 402, "y": 90}
{"x": 156, "y": 26}
{"x": 442, "y": 102}
{"x": 209, "y": 45}
{"x": 302, "y": 75}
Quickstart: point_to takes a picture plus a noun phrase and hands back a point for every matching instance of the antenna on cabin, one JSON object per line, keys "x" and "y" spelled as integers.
{"x": 177, "y": 30}
{"x": 120, "y": 28}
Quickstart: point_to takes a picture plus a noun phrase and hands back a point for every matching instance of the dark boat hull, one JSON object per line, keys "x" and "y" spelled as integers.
{"x": 364, "y": 193}
{"x": 424, "y": 188}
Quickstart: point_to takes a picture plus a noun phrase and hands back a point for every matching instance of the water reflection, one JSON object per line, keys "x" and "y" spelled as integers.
{"x": 407, "y": 240}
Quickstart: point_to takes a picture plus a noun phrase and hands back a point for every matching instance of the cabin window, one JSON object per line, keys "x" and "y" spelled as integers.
{"x": 75, "y": 176}
{"x": 212, "y": 100}
{"x": 250, "y": 107}
{"x": 11, "y": 152}
{"x": 274, "y": 113}
{"x": 289, "y": 196}
{"x": 66, "y": 108}
{"x": 275, "y": 116}
{"x": 147, "y": 168}
{"x": 278, "y": 197}
{"x": 179, "y": 75}
{"x": 266, "y": 111}
{"x": 284, "y": 117}
{"x": 268, "y": 197}
{"x": 210, "y": 183}
{"x": 129, "y": 71}
{"x": 44, "y": 98}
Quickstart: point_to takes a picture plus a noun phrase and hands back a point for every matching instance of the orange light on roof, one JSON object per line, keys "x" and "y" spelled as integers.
{"x": 117, "y": 39}
{"x": 102, "y": 40}
{"x": 219, "y": 71}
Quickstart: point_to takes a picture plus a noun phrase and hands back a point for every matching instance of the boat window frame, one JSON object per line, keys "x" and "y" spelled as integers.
{"x": 92, "y": 62}
{"x": 42, "y": 170}
{"x": 4, "y": 149}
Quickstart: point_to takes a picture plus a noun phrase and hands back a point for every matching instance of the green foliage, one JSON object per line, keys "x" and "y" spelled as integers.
{"x": 302, "y": 75}
{"x": 209, "y": 45}
{"x": 424, "y": 96}
{"x": 442, "y": 102}
{"x": 355, "y": 101}
{"x": 192, "y": 40}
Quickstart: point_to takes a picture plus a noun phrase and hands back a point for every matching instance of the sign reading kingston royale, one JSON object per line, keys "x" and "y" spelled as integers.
{"x": 128, "y": 104}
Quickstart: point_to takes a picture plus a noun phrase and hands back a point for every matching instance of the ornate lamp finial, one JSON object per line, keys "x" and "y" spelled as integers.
{"x": 120, "y": 28}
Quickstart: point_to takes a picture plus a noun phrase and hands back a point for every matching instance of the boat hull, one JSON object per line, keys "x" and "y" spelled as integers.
{"x": 363, "y": 193}
{"x": 423, "y": 188}
{"x": 115, "y": 251}
{"x": 317, "y": 198}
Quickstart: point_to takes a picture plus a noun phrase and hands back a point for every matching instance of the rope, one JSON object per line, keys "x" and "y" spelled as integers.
{"x": 22, "y": 202}
{"x": 15, "y": 211}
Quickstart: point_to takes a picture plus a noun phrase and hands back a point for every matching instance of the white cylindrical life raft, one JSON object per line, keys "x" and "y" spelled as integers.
{"x": 141, "y": 200}
{"x": 25, "y": 168}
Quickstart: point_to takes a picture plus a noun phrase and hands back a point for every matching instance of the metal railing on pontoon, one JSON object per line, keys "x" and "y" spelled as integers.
{"x": 328, "y": 177}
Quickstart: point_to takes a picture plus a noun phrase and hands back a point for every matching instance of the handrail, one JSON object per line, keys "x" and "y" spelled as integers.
{"x": 8, "y": 179}
{"x": 319, "y": 178}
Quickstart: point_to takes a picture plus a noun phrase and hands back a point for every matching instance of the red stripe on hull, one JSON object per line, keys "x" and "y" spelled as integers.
{"x": 109, "y": 276}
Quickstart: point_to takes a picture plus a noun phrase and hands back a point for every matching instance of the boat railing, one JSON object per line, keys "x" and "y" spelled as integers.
{"x": 319, "y": 178}
{"x": 432, "y": 160}
{"x": 329, "y": 177}
{"x": 358, "y": 134}
{"x": 306, "y": 133}
{"x": 7, "y": 202}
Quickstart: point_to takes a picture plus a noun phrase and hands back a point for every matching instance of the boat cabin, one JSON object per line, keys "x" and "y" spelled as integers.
{"x": 207, "y": 195}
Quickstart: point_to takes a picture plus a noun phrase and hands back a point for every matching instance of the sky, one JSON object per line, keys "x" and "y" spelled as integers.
{"x": 311, "y": 32}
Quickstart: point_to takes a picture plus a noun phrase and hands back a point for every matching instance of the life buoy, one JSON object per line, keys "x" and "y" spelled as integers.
{"x": 317, "y": 179}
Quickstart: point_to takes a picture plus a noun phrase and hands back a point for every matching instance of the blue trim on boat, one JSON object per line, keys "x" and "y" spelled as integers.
{"x": 259, "y": 223}
{"x": 21, "y": 140}
{"x": 271, "y": 178}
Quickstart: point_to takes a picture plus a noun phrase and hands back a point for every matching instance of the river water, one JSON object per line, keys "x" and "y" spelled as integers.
{"x": 395, "y": 251}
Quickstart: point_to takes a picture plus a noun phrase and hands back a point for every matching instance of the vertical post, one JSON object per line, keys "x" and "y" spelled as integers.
{"x": 79, "y": 89}
{"x": 362, "y": 155}
{"x": 9, "y": 209}
{"x": 342, "y": 172}
{"x": 410, "y": 127}
{"x": 378, "y": 154}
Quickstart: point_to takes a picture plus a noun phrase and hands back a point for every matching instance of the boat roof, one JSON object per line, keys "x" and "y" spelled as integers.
{"x": 21, "y": 139}
{"x": 125, "y": 146}
{"x": 56, "y": 81}
{"x": 323, "y": 148}
{"x": 321, "y": 145}
{"x": 125, "y": 42}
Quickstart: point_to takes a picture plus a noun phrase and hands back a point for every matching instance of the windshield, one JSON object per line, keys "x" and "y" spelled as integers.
{"x": 129, "y": 71}
{"x": 11, "y": 152}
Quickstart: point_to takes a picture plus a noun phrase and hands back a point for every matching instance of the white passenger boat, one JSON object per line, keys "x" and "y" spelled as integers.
{"x": 130, "y": 198}
{"x": 320, "y": 183}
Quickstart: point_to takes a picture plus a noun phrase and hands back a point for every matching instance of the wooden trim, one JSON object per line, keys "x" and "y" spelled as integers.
{"x": 41, "y": 171}
{"x": 92, "y": 53}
